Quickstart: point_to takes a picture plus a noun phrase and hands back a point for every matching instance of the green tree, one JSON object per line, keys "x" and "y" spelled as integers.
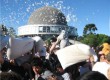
{"x": 3, "y": 29}
{"x": 7, "y": 31}
{"x": 95, "y": 39}
{"x": 89, "y": 29}
{"x": 11, "y": 31}
{"x": 90, "y": 39}
{"x": 102, "y": 38}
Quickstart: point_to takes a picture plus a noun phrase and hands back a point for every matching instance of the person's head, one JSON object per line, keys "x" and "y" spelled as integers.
{"x": 93, "y": 75}
{"x": 108, "y": 57}
{"x": 59, "y": 68}
{"x": 53, "y": 39}
{"x": 9, "y": 76}
{"x": 101, "y": 57}
{"x": 37, "y": 65}
{"x": 52, "y": 77}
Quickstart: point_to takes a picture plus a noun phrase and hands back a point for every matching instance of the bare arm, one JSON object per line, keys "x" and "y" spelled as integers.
{"x": 54, "y": 45}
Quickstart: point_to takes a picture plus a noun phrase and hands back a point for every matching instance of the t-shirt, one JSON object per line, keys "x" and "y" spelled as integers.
{"x": 101, "y": 67}
{"x": 66, "y": 76}
{"x": 44, "y": 75}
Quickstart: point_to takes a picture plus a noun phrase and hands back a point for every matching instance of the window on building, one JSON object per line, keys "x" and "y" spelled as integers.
{"x": 48, "y": 29}
{"x": 56, "y": 29}
{"x": 40, "y": 28}
{"x": 44, "y": 29}
{"x": 53, "y": 29}
{"x": 60, "y": 29}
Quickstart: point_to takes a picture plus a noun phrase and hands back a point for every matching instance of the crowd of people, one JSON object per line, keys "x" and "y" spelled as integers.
{"x": 46, "y": 66}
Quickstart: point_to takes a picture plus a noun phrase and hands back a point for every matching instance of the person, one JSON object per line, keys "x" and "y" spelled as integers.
{"x": 106, "y": 48}
{"x": 85, "y": 67}
{"x": 53, "y": 77}
{"x": 62, "y": 40}
{"x": 40, "y": 72}
{"x": 108, "y": 74}
{"x": 11, "y": 65}
{"x": 9, "y": 76}
{"x": 3, "y": 42}
{"x": 1, "y": 58}
{"x": 93, "y": 75}
{"x": 62, "y": 74}
{"x": 102, "y": 67}
{"x": 101, "y": 57}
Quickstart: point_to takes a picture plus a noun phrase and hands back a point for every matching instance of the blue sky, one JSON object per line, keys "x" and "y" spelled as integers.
{"x": 15, "y": 13}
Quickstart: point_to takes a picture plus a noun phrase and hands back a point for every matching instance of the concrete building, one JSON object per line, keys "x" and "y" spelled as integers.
{"x": 46, "y": 22}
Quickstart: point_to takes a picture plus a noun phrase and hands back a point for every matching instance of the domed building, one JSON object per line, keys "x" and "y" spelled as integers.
{"x": 45, "y": 21}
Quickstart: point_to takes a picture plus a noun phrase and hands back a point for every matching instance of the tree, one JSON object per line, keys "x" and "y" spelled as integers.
{"x": 90, "y": 39}
{"x": 95, "y": 40}
{"x": 89, "y": 29}
{"x": 11, "y": 31}
{"x": 3, "y": 29}
{"x": 7, "y": 31}
{"x": 102, "y": 38}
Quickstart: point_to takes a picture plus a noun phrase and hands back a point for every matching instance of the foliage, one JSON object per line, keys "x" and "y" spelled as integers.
{"x": 95, "y": 40}
{"x": 48, "y": 42}
{"x": 91, "y": 38}
{"x": 102, "y": 38}
{"x": 3, "y": 29}
{"x": 11, "y": 31}
{"x": 7, "y": 31}
{"x": 89, "y": 29}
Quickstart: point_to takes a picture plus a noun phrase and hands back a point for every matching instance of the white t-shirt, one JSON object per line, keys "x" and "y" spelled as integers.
{"x": 66, "y": 76}
{"x": 101, "y": 67}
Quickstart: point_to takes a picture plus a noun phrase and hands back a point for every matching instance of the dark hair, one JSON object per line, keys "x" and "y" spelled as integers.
{"x": 73, "y": 70}
{"x": 53, "y": 39}
{"x": 36, "y": 61}
{"x": 58, "y": 65}
{"x": 93, "y": 75}
{"x": 9, "y": 76}
{"x": 99, "y": 56}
